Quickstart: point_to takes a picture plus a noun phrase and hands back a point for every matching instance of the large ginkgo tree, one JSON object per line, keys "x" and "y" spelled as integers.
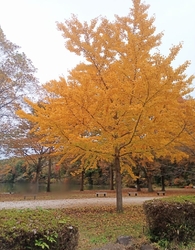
{"x": 121, "y": 101}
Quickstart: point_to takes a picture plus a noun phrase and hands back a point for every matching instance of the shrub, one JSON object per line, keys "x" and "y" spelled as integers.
{"x": 36, "y": 229}
{"x": 179, "y": 182}
{"x": 170, "y": 221}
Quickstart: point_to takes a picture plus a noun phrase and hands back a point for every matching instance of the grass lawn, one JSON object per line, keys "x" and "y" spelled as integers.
{"x": 98, "y": 226}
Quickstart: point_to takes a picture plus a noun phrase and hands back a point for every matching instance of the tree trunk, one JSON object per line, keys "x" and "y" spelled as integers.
{"x": 111, "y": 177}
{"x": 49, "y": 176}
{"x": 163, "y": 182}
{"x": 90, "y": 179}
{"x": 38, "y": 169}
{"x": 82, "y": 180}
{"x": 119, "y": 201}
{"x": 138, "y": 184}
{"x": 162, "y": 177}
{"x": 149, "y": 181}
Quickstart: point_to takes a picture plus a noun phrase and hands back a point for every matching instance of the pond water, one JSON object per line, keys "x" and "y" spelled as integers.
{"x": 32, "y": 188}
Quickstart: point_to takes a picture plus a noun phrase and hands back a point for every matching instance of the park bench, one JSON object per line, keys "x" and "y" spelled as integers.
{"x": 161, "y": 193}
{"x": 7, "y": 193}
{"x": 30, "y": 195}
{"x": 132, "y": 193}
{"x": 101, "y": 193}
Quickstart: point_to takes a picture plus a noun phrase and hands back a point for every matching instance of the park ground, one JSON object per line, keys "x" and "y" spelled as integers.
{"x": 95, "y": 217}
{"x": 76, "y": 194}
{"x": 83, "y": 198}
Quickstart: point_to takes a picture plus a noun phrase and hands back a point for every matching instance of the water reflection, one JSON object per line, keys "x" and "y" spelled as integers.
{"x": 33, "y": 188}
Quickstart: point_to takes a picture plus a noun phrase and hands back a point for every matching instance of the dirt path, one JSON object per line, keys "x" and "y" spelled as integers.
{"x": 68, "y": 203}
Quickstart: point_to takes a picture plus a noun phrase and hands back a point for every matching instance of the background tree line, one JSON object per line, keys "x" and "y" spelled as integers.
{"x": 169, "y": 174}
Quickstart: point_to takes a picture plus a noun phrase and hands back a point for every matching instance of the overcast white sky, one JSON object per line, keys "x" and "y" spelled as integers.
{"x": 31, "y": 24}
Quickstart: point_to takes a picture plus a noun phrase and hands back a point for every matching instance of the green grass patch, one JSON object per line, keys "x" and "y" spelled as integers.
{"x": 180, "y": 198}
{"x": 98, "y": 226}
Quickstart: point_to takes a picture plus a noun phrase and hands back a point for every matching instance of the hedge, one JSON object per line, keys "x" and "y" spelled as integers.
{"x": 36, "y": 229}
{"x": 170, "y": 221}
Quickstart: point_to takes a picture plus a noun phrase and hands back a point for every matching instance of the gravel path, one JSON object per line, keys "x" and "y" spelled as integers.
{"x": 70, "y": 203}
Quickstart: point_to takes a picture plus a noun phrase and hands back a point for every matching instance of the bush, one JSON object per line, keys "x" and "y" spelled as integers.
{"x": 170, "y": 221}
{"x": 36, "y": 229}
